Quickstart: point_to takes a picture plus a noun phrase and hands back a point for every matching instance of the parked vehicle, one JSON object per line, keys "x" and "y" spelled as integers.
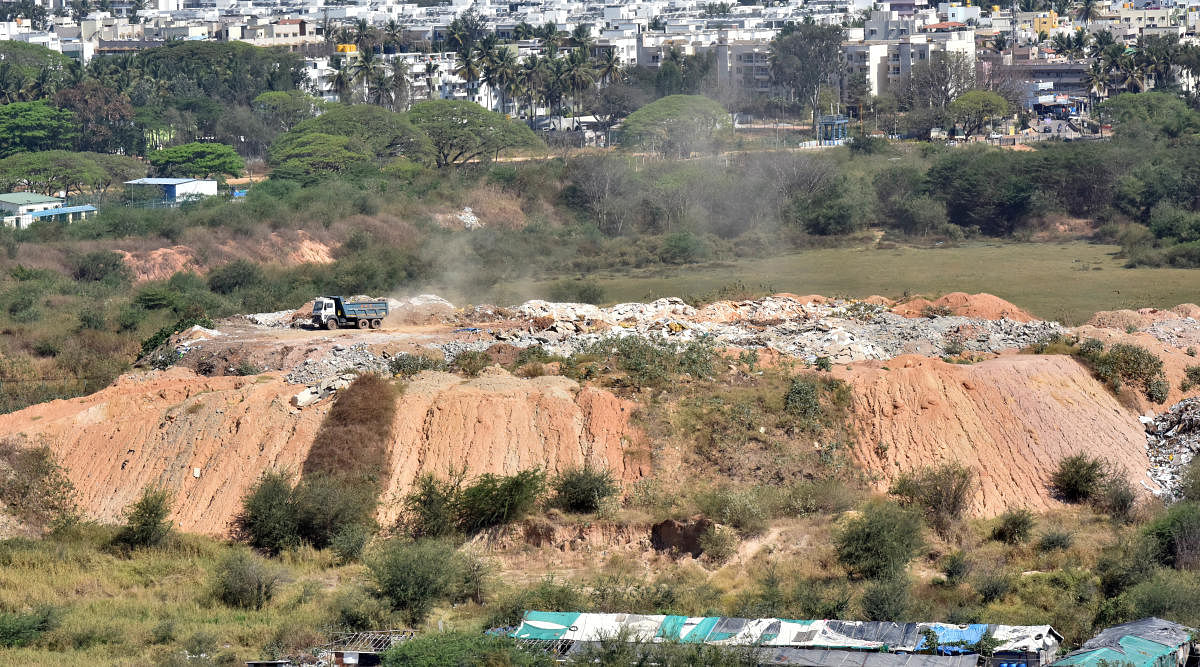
{"x": 331, "y": 312}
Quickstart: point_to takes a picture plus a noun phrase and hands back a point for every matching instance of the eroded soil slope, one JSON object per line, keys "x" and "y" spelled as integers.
{"x": 1011, "y": 419}
{"x": 165, "y": 428}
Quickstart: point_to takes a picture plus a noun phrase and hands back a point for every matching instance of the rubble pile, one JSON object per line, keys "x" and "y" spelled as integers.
{"x": 339, "y": 360}
{"x": 1176, "y": 332}
{"x": 844, "y": 331}
{"x": 1172, "y": 439}
{"x": 281, "y": 319}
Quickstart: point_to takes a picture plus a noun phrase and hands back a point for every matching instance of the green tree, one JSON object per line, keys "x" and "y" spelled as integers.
{"x": 146, "y": 523}
{"x": 312, "y": 156}
{"x": 462, "y": 131}
{"x": 35, "y": 126}
{"x": 677, "y": 126}
{"x": 197, "y": 160}
{"x": 974, "y": 109}
{"x": 880, "y": 542}
{"x": 105, "y": 117}
{"x": 376, "y": 131}
{"x": 282, "y": 110}
{"x": 805, "y": 57}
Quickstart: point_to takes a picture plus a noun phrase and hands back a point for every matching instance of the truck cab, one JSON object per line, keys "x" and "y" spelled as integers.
{"x": 324, "y": 308}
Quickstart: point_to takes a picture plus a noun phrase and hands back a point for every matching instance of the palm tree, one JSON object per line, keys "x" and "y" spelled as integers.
{"x": 1100, "y": 43}
{"x": 608, "y": 65}
{"x": 529, "y": 79}
{"x": 1133, "y": 72}
{"x": 1096, "y": 79}
{"x": 524, "y": 30}
{"x": 343, "y": 83}
{"x": 500, "y": 73}
{"x": 581, "y": 36}
{"x": 399, "y": 85}
{"x": 364, "y": 35}
{"x": 368, "y": 69}
{"x": 554, "y": 84}
{"x": 1087, "y": 12}
{"x": 579, "y": 78}
{"x": 431, "y": 70}
{"x": 393, "y": 34}
{"x": 467, "y": 67}
{"x": 548, "y": 33}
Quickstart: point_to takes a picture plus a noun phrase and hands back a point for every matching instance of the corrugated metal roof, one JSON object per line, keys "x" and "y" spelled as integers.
{"x": 62, "y": 210}
{"x": 1132, "y": 651}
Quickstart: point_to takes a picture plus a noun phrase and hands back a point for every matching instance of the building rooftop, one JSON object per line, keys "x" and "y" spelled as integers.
{"x": 161, "y": 181}
{"x": 63, "y": 210}
{"x": 27, "y": 198}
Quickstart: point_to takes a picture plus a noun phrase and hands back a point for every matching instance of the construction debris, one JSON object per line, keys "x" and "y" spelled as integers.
{"x": 1172, "y": 439}
{"x": 339, "y": 360}
{"x": 322, "y": 390}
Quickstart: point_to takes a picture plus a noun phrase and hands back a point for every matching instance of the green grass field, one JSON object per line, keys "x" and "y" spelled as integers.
{"x": 1062, "y": 281}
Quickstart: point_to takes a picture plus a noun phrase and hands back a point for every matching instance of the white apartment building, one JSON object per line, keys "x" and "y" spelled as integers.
{"x": 887, "y": 62}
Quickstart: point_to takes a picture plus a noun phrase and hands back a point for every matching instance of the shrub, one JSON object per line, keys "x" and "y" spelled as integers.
{"x": 1176, "y": 536}
{"x": 471, "y": 363}
{"x": 941, "y": 492}
{"x": 1126, "y": 563}
{"x": 33, "y": 487}
{"x": 415, "y": 575}
{"x": 651, "y": 362}
{"x": 823, "y": 495}
{"x": 880, "y": 541}
{"x": 803, "y": 399}
{"x": 1055, "y": 540}
{"x": 354, "y": 610}
{"x": 244, "y": 580}
{"x": 235, "y": 275}
{"x": 350, "y": 541}
{"x": 1079, "y": 477}
{"x": 146, "y": 523}
{"x": 739, "y": 508}
{"x": 20, "y": 629}
{"x": 577, "y": 291}
{"x": 582, "y": 489}
{"x": 494, "y": 500}
{"x": 955, "y": 566}
{"x": 268, "y": 519}
{"x": 407, "y": 365}
{"x": 682, "y": 248}
{"x": 1013, "y": 527}
{"x": 1125, "y": 363}
{"x": 355, "y": 435}
{"x": 462, "y": 648}
{"x": 1191, "y": 374}
{"x": 993, "y": 586}
{"x": 431, "y": 506}
{"x": 1116, "y": 497}
{"x": 326, "y": 506}
{"x": 887, "y": 600}
{"x": 1189, "y": 483}
{"x": 824, "y": 364}
{"x": 100, "y": 264}
{"x": 1166, "y": 595}
{"x": 245, "y": 368}
{"x": 547, "y": 595}
{"x": 719, "y": 543}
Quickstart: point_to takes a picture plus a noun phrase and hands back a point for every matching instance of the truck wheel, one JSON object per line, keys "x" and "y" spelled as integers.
{"x": 363, "y": 324}
{"x": 331, "y": 323}
{"x": 375, "y": 324}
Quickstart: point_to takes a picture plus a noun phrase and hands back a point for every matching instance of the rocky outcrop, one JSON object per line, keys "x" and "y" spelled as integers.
{"x": 680, "y": 537}
{"x": 208, "y": 439}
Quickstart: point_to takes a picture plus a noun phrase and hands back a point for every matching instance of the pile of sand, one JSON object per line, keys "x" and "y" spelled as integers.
{"x": 981, "y": 306}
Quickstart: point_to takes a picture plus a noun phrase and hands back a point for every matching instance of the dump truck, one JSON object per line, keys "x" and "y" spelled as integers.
{"x": 331, "y": 312}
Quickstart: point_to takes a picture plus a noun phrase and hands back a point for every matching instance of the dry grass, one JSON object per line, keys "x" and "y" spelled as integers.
{"x": 355, "y": 436}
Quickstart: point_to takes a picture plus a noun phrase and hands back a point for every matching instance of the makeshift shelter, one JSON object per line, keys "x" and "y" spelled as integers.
{"x": 1025, "y": 645}
{"x": 1149, "y": 642}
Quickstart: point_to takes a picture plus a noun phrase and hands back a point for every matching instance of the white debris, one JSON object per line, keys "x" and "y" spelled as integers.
{"x": 469, "y": 219}
{"x": 1172, "y": 440}
{"x": 322, "y": 390}
{"x": 279, "y": 318}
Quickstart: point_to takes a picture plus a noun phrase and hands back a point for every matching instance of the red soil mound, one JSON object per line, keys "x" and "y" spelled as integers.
{"x": 981, "y": 306}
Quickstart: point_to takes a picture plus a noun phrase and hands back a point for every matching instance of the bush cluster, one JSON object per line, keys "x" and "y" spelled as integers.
{"x": 582, "y": 489}
{"x": 1013, "y": 527}
{"x": 880, "y": 542}
{"x": 942, "y": 492}
{"x": 441, "y": 507}
{"x": 414, "y": 575}
{"x": 244, "y": 580}
{"x": 320, "y": 511}
{"x": 407, "y": 365}
{"x": 646, "y": 362}
{"x": 146, "y": 522}
{"x": 1085, "y": 478}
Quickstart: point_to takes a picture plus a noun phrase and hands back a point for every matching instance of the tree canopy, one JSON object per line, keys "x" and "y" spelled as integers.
{"x": 677, "y": 126}
{"x": 197, "y": 160}
{"x": 385, "y": 134}
{"x": 463, "y": 131}
{"x": 312, "y": 156}
{"x": 975, "y": 108}
{"x": 34, "y": 126}
{"x": 49, "y": 172}
{"x": 804, "y": 57}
